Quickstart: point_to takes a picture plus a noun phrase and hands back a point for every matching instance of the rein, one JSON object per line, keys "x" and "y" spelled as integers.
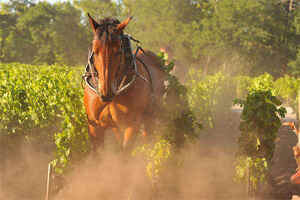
{"x": 91, "y": 72}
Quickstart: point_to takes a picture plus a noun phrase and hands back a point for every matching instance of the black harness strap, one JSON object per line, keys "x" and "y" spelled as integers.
{"x": 90, "y": 77}
{"x": 146, "y": 68}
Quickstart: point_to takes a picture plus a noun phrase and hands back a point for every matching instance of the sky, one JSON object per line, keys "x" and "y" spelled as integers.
{"x": 51, "y": 1}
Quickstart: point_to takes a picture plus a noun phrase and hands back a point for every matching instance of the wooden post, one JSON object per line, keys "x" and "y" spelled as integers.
{"x": 48, "y": 181}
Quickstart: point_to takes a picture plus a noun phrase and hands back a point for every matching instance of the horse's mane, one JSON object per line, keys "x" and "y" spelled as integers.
{"x": 109, "y": 20}
{"x": 103, "y": 26}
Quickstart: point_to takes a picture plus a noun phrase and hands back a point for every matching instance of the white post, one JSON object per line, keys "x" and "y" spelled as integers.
{"x": 48, "y": 181}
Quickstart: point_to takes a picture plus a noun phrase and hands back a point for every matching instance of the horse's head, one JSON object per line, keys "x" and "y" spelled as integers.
{"x": 107, "y": 53}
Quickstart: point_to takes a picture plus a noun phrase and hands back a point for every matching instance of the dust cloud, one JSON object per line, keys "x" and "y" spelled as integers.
{"x": 23, "y": 170}
{"x": 106, "y": 176}
{"x": 202, "y": 170}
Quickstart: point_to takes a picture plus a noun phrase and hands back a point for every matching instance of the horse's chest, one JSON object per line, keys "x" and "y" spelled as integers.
{"x": 113, "y": 113}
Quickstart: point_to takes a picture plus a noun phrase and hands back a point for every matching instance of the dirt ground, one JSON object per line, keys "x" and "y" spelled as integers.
{"x": 206, "y": 173}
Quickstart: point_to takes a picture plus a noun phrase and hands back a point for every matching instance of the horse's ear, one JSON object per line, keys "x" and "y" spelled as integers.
{"x": 93, "y": 23}
{"x": 124, "y": 23}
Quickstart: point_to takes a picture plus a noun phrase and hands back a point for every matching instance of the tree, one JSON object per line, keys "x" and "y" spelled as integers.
{"x": 234, "y": 36}
{"x": 99, "y": 8}
{"x": 71, "y": 37}
{"x": 10, "y": 37}
{"x": 251, "y": 34}
{"x": 294, "y": 64}
{"x": 165, "y": 24}
{"x": 42, "y": 33}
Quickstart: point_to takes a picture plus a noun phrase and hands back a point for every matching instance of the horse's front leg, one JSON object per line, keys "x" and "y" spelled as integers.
{"x": 94, "y": 108}
{"x": 117, "y": 134}
{"x": 97, "y": 136}
{"x": 149, "y": 125}
{"x": 129, "y": 136}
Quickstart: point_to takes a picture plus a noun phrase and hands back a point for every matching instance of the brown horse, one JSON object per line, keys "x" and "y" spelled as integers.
{"x": 127, "y": 85}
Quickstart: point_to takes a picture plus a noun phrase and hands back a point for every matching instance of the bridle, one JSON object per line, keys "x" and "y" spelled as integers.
{"x": 119, "y": 86}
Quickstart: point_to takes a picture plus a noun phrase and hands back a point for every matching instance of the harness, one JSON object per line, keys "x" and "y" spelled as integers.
{"x": 128, "y": 75}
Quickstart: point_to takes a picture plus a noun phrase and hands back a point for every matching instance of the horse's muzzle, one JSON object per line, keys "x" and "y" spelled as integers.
{"x": 106, "y": 98}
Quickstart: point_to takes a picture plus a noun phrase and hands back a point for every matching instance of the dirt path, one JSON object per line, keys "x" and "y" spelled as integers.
{"x": 207, "y": 172}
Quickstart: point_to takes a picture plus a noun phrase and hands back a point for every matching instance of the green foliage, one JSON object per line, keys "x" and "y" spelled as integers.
{"x": 263, "y": 82}
{"x": 260, "y": 121}
{"x": 99, "y": 8}
{"x": 47, "y": 98}
{"x": 156, "y": 157}
{"x": 294, "y": 30}
{"x": 212, "y": 94}
{"x": 42, "y": 33}
{"x": 247, "y": 84}
{"x": 209, "y": 95}
{"x": 158, "y": 23}
{"x": 285, "y": 88}
{"x": 177, "y": 125}
{"x": 256, "y": 169}
{"x": 177, "y": 120}
{"x": 236, "y": 37}
{"x": 243, "y": 83}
